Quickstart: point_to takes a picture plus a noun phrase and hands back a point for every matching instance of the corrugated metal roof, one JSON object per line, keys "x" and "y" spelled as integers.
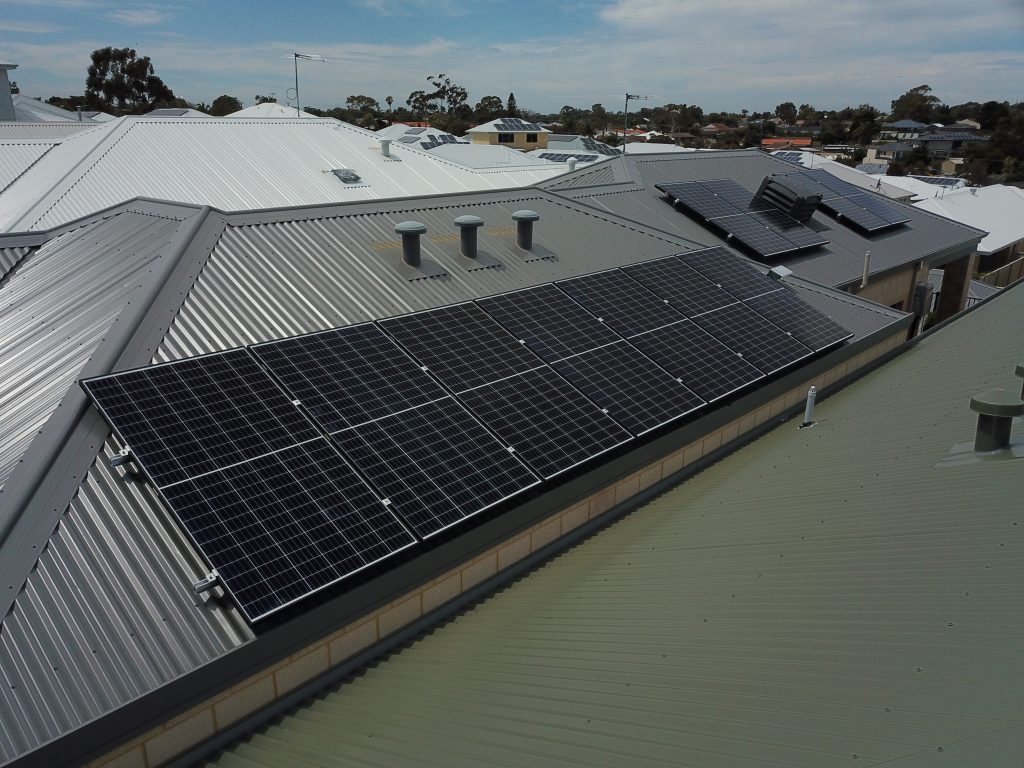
{"x": 998, "y": 209}
{"x": 826, "y": 596}
{"x": 9, "y": 257}
{"x": 16, "y": 130}
{"x": 838, "y": 263}
{"x": 236, "y": 164}
{"x": 16, "y": 158}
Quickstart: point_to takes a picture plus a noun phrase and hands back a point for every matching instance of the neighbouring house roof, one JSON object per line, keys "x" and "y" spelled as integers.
{"x": 922, "y": 186}
{"x": 906, "y": 124}
{"x": 176, "y": 112}
{"x": 234, "y": 164}
{"x": 976, "y": 290}
{"x": 824, "y": 596}
{"x": 794, "y": 141}
{"x": 952, "y": 136}
{"x": 508, "y": 125}
{"x": 272, "y": 109}
{"x": 626, "y": 187}
{"x": 102, "y": 621}
{"x": 31, "y": 110}
{"x": 998, "y": 209}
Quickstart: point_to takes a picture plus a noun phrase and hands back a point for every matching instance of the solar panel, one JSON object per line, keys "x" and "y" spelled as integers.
{"x": 436, "y": 463}
{"x": 631, "y": 388}
{"x": 409, "y": 139}
{"x": 736, "y": 195}
{"x": 755, "y": 235}
{"x": 282, "y": 526}
{"x": 852, "y": 204}
{"x": 348, "y": 376}
{"x": 790, "y": 229}
{"x": 883, "y": 209}
{"x": 503, "y": 126}
{"x": 623, "y": 304}
{"x": 703, "y": 363}
{"x": 687, "y": 290}
{"x": 702, "y": 202}
{"x": 848, "y": 210}
{"x": 415, "y": 131}
{"x": 461, "y": 345}
{"x": 199, "y": 415}
{"x": 551, "y": 426}
{"x": 761, "y": 343}
{"x": 831, "y": 183}
{"x": 729, "y": 271}
{"x": 550, "y": 323}
{"x": 806, "y": 324}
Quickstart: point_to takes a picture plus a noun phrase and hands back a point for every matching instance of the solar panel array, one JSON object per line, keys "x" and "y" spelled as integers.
{"x": 852, "y": 205}
{"x": 734, "y": 211}
{"x": 559, "y": 157}
{"x": 516, "y": 124}
{"x": 792, "y": 157}
{"x": 297, "y": 463}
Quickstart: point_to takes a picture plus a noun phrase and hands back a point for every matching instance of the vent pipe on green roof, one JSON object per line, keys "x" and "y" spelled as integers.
{"x": 996, "y": 409}
{"x": 812, "y": 393}
{"x": 410, "y": 232}
{"x": 524, "y": 227}
{"x": 468, "y": 225}
{"x": 867, "y": 269}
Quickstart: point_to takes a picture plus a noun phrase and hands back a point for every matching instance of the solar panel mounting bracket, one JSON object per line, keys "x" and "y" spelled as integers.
{"x": 205, "y": 584}
{"x": 122, "y": 457}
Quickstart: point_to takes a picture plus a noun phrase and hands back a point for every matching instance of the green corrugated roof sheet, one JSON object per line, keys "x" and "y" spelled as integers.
{"x": 824, "y": 597}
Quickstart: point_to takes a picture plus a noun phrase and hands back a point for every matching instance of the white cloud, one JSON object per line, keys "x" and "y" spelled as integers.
{"x": 142, "y": 16}
{"x": 28, "y": 27}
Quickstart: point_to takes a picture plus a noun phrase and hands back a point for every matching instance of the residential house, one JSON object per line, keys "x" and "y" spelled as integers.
{"x": 510, "y": 132}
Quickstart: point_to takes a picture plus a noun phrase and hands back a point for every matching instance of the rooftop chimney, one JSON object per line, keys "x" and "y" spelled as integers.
{"x": 468, "y": 225}
{"x": 524, "y": 228}
{"x": 996, "y": 409}
{"x": 410, "y": 232}
{"x": 6, "y": 100}
{"x": 385, "y": 147}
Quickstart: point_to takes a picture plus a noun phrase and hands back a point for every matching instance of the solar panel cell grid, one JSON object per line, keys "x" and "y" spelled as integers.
{"x": 436, "y": 463}
{"x": 755, "y": 235}
{"x": 624, "y": 305}
{"x": 736, "y": 276}
{"x": 689, "y": 292}
{"x": 629, "y": 386}
{"x": 761, "y": 343}
{"x": 552, "y": 324}
{"x": 282, "y": 526}
{"x": 461, "y": 345}
{"x": 738, "y": 196}
{"x": 850, "y": 211}
{"x": 549, "y": 423}
{"x": 790, "y": 229}
{"x": 701, "y": 201}
{"x": 806, "y": 324}
{"x": 348, "y": 376}
{"x": 703, "y": 363}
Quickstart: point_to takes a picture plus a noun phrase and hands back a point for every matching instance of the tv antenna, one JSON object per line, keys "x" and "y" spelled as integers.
{"x": 625, "y": 117}
{"x": 307, "y": 57}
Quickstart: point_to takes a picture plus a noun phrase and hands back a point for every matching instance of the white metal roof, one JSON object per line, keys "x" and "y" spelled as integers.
{"x": 920, "y": 189}
{"x": 998, "y": 209}
{"x": 272, "y": 109}
{"x": 233, "y": 165}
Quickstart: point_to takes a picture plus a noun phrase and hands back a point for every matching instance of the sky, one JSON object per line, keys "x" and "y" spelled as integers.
{"x": 723, "y": 55}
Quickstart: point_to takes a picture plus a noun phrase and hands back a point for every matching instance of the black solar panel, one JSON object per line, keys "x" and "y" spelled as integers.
{"x": 880, "y": 208}
{"x": 415, "y": 131}
{"x": 461, "y": 345}
{"x": 761, "y": 343}
{"x": 436, "y": 463}
{"x": 790, "y": 229}
{"x": 624, "y": 305}
{"x": 687, "y": 290}
{"x": 736, "y": 195}
{"x": 348, "y": 376}
{"x": 195, "y": 416}
{"x": 409, "y": 139}
{"x": 628, "y": 386}
{"x": 285, "y": 525}
{"x": 847, "y": 209}
{"x": 854, "y": 205}
{"x": 755, "y": 235}
{"x": 552, "y": 324}
{"x": 830, "y": 182}
{"x": 807, "y": 325}
{"x": 729, "y": 271}
{"x": 703, "y": 363}
{"x": 549, "y": 423}
{"x": 561, "y": 157}
{"x": 696, "y": 198}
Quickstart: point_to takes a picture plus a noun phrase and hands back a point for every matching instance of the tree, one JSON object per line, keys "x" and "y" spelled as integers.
{"x": 223, "y": 105}
{"x": 598, "y": 118}
{"x": 488, "y": 108}
{"x": 119, "y": 80}
{"x": 448, "y": 95}
{"x": 786, "y": 112}
{"x": 271, "y": 99}
{"x": 421, "y": 104}
{"x": 511, "y": 110}
{"x": 14, "y": 87}
{"x": 389, "y": 100}
{"x": 864, "y": 124}
{"x": 916, "y": 104}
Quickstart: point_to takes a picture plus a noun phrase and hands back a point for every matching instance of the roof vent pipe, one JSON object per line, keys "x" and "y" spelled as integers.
{"x": 1020, "y": 374}
{"x": 385, "y": 147}
{"x": 996, "y": 409}
{"x": 524, "y": 228}
{"x": 410, "y": 232}
{"x": 468, "y": 225}
{"x": 78, "y": 111}
{"x": 867, "y": 269}
{"x": 572, "y": 164}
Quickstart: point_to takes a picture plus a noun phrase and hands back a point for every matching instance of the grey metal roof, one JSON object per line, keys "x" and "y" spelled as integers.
{"x": 16, "y": 158}
{"x": 839, "y": 263}
{"x": 103, "y": 614}
{"x": 822, "y": 597}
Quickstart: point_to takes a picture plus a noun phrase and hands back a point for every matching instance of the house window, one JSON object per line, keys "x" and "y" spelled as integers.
{"x": 506, "y": 138}
{"x": 531, "y": 137}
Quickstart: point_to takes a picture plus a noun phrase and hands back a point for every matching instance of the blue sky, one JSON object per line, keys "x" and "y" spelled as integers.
{"x": 720, "y": 54}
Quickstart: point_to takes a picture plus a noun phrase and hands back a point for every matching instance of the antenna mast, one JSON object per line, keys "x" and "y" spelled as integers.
{"x": 625, "y": 117}
{"x": 308, "y": 57}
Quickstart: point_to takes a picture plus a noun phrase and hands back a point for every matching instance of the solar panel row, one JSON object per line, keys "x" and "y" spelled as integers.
{"x": 851, "y": 204}
{"x": 436, "y": 416}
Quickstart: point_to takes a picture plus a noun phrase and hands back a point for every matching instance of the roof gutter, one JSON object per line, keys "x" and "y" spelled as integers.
{"x": 37, "y": 492}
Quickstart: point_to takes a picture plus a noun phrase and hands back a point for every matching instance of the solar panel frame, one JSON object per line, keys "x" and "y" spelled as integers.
{"x": 687, "y": 290}
{"x": 548, "y": 321}
{"x": 699, "y": 200}
{"x": 703, "y": 363}
{"x": 734, "y": 275}
{"x": 755, "y": 235}
{"x": 735, "y": 194}
{"x": 847, "y": 209}
{"x": 629, "y": 386}
{"x": 883, "y": 209}
{"x": 761, "y": 343}
{"x": 550, "y": 424}
{"x": 803, "y": 322}
{"x": 348, "y": 376}
{"x": 790, "y": 229}
{"x": 461, "y": 345}
{"x": 623, "y": 304}
{"x": 436, "y": 463}
{"x": 312, "y": 523}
